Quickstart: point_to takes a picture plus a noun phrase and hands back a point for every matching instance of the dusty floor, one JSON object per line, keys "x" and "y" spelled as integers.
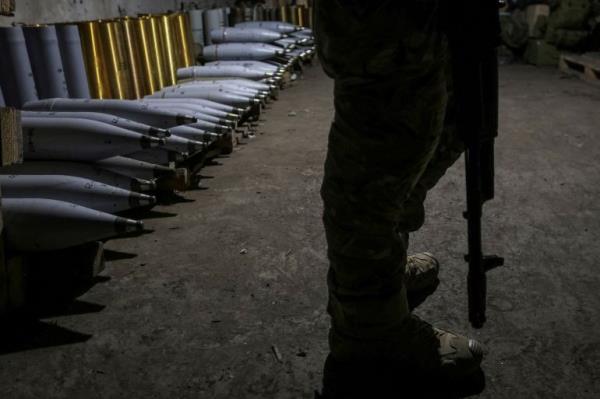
{"x": 195, "y": 309}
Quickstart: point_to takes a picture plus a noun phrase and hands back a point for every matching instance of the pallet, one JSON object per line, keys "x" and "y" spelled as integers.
{"x": 586, "y": 66}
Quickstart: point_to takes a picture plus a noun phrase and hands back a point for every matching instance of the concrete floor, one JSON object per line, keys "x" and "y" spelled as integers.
{"x": 195, "y": 309}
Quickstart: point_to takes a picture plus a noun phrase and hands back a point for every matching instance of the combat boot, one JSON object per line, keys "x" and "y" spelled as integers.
{"x": 421, "y": 278}
{"x": 439, "y": 352}
{"x": 423, "y": 360}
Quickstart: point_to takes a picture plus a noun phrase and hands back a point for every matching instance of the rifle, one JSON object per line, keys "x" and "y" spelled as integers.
{"x": 473, "y": 34}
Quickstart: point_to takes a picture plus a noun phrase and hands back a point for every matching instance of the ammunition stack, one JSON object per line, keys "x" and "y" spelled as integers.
{"x": 118, "y": 114}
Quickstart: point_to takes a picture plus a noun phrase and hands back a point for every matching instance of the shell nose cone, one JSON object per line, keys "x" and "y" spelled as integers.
{"x": 137, "y": 200}
{"x": 160, "y": 133}
{"x": 141, "y": 185}
{"x": 123, "y": 225}
{"x": 147, "y": 200}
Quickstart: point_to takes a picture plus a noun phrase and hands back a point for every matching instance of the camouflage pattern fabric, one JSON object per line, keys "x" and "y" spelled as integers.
{"x": 386, "y": 149}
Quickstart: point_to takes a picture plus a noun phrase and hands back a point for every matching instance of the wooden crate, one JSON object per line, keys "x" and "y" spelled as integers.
{"x": 11, "y": 137}
{"x": 11, "y": 152}
{"x": 586, "y": 66}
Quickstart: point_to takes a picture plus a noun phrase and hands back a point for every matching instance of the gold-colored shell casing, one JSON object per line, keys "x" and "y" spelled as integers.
{"x": 93, "y": 54}
{"x": 119, "y": 69}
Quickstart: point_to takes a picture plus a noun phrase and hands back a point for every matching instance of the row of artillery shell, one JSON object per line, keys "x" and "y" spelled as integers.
{"x": 297, "y": 15}
{"x": 132, "y": 57}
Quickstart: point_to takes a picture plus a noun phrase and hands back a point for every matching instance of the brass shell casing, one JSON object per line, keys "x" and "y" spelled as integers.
{"x": 170, "y": 48}
{"x": 159, "y": 51}
{"x": 293, "y": 15}
{"x": 147, "y": 53}
{"x": 133, "y": 47}
{"x": 284, "y": 14}
{"x": 95, "y": 64}
{"x": 183, "y": 39}
{"x": 302, "y": 16}
{"x": 119, "y": 69}
{"x": 128, "y": 58}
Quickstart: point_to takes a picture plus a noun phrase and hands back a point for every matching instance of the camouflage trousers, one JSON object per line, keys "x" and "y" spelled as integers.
{"x": 390, "y": 142}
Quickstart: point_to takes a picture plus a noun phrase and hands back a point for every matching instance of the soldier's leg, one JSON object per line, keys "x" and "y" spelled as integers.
{"x": 390, "y": 102}
{"x": 373, "y": 163}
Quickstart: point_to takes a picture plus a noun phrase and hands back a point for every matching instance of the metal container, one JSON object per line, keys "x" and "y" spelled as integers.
{"x": 71, "y": 53}
{"x": 95, "y": 61}
{"x": 16, "y": 76}
{"x": 46, "y": 63}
